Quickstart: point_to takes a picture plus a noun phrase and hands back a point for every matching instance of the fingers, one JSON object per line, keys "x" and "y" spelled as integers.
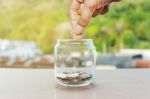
{"x": 105, "y": 9}
{"x": 80, "y": 22}
{"x": 75, "y": 6}
{"x": 80, "y": 1}
{"x": 85, "y": 16}
{"x": 97, "y": 12}
{"x": 102, "y": 3}
{"x": 102, "y": 8}
{"x": 81, "y": 11}
{"x": 116, "y": 0}
{"x": 86, "y": 13}
{"x": 83, "y": 20}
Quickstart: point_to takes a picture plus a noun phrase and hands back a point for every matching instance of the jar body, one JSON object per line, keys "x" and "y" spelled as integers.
{"x": 74, "y": 62}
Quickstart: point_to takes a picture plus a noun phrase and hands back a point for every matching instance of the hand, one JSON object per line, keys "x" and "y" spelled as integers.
{"x": 82, "y": 10}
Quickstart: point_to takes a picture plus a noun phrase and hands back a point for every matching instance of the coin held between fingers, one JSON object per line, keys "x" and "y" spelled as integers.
{"x": 77, "y": 36}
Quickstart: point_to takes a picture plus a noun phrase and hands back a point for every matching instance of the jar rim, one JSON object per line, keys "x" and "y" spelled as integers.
{"x": 74, "y": 40}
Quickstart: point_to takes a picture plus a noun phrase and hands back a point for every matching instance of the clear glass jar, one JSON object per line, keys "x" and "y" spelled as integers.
{"x": 74, "y": 62}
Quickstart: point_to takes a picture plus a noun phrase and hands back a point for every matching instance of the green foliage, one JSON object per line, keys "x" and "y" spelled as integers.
{"x": 32, "y": 20}
{"x": 126, "y": 25}
{"x": 129, "y": 39}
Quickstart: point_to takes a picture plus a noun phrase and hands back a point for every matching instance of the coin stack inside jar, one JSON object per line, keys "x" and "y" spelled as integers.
{"x": 73, "y": 77}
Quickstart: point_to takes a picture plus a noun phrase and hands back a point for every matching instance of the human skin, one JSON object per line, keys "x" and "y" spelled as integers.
{"x": 81, "y": 12}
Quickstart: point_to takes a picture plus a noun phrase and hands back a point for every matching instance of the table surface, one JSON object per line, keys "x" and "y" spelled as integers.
{"x": 40, "y": 84}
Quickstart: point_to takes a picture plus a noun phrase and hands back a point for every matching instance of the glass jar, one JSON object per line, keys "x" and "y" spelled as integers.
{"x": 74, "y": 62}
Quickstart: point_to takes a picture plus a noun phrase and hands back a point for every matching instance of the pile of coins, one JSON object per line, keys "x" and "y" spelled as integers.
{"x": 73, "y": 77}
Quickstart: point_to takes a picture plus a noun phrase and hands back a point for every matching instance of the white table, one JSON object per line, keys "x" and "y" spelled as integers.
{"x": 40, "y": 84}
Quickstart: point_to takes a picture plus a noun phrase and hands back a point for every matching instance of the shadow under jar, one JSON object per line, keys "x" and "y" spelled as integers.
{"x": 74, "y": 62}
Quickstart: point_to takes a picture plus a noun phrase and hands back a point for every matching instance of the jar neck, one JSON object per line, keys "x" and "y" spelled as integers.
{"x": 73, "y": 41}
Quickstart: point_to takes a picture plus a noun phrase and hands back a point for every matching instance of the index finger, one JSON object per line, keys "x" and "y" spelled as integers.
{"x": 84, "y": 19}
{"x": 75, "y": 6}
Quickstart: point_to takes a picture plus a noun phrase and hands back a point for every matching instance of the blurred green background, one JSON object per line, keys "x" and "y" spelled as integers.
{"x": 127, "y": 25}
